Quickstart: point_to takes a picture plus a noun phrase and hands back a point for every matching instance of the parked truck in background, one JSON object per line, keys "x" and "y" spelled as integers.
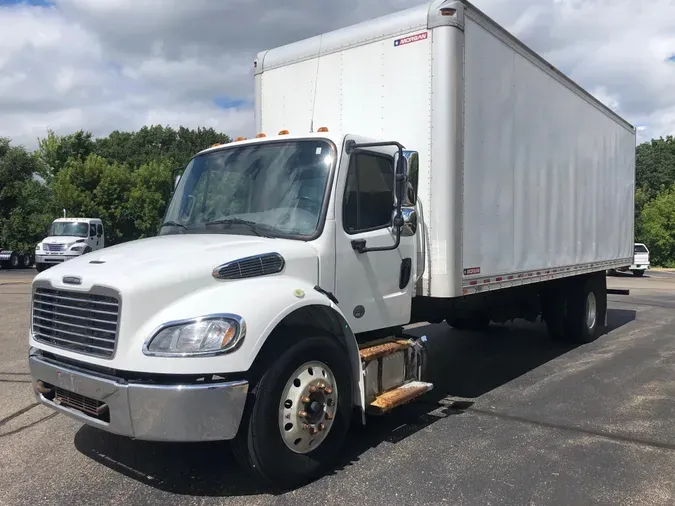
{"x": 428, "y": 167}
{"x": 15, "y": 259}
{"x": 69, "y": 238}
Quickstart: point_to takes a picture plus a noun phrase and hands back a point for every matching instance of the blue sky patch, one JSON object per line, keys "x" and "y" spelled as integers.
{"x": 229, "y": 103}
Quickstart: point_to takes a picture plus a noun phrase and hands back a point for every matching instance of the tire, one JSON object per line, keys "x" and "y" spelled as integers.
{"x": 14, "y": 261}
{"x": 259, "y": 445}
{"x": 583, "y": 324}
{"x": 475, "y": 323}
{"x": 25, "y": 261}
{"x": 638, "y": 273}
{"x": 41, "y": 267}
{"x": 568, "y": 311}
{"x": 86, "y": 250}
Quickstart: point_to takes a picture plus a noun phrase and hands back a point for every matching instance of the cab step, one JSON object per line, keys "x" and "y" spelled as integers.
{"x": 382, "y": 348}
{"x": 391, "y": 399}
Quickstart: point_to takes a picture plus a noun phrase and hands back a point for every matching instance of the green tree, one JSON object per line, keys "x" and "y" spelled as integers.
{"x": 655, "y": 165}
{"x": 149, "y": 196}
{"x": 55, "y": 151}
{"x": 657, "y": 225}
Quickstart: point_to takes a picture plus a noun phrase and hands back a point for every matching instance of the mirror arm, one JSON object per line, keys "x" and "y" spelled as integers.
{"x": 359, "y": 245}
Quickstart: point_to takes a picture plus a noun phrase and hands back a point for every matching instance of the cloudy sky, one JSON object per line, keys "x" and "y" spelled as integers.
{"x": 103, "y": 65}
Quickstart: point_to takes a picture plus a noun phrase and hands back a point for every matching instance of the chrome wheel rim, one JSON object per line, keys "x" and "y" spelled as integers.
{"x": 307, "y": 407}
{"x": 591, "y": 311}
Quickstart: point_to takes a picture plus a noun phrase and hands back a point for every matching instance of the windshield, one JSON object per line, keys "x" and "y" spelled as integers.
{"x": 72, "y": 228}
{"x": 640, "y": 248}
{"x": 273, "y": 188}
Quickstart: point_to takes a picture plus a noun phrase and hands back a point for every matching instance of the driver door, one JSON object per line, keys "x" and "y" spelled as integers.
{"x": 374, "y": 289}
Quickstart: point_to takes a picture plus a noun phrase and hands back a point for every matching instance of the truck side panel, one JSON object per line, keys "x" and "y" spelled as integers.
{"x": 548, "y": 178}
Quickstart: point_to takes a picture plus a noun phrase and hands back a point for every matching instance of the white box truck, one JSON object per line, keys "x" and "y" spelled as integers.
{"x": 436, "y": 169}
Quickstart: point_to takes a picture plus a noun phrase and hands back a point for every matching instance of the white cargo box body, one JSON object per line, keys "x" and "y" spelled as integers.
{"x": 524, "y": 176}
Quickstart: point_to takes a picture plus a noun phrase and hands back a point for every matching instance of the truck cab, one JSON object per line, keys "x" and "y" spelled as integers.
{"x": 69, "y": 238}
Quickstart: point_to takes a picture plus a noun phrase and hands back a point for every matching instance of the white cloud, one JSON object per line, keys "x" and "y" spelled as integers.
{"x": 103, "y": 65}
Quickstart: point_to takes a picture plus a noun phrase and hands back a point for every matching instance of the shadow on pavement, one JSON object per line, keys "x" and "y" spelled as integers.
{"x": 461, "y": 365}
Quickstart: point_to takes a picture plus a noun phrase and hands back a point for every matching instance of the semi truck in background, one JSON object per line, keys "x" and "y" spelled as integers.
{"x": 69, "y": 238}
{"x": 425, "y": 166}
{"x": 15, "y": 259}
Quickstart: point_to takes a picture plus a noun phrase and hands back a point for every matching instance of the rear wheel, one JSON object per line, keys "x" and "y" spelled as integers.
{"x": 576, "y": 312}
{"x": 14, "y": 260}
{"x": 638, "y": 273}
{"x": 298, "y": 414}
{"x": 26, "y": 261}
{"x": 40, "y": 267}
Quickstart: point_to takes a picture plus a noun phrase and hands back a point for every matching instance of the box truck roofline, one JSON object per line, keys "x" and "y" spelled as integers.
{"x": 422, "y": 17}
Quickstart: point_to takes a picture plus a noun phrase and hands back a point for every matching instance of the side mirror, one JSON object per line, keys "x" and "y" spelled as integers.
{"x": 413, "y": 174}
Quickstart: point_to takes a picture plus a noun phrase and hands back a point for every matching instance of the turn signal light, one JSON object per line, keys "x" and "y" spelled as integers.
{"x": 284, "y": 132}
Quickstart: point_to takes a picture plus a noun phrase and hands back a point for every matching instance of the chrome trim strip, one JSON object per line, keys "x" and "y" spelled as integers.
{"x": 231, "y": 346}
{"x": 152, "y": 412}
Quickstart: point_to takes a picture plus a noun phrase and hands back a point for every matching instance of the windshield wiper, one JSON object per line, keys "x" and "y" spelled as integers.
{"x": 173, "y": 224}
{"x": 252, "y": 225}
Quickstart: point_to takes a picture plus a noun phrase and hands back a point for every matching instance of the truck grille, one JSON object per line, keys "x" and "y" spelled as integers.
{"x": 54, "y": 247}
{"x": 76, "y": 321}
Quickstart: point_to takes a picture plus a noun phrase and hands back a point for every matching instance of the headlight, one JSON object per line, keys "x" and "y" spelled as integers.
{"x": 209, "y": 335}
{"x": 77, "y": 247}
{"x": 37, "y": 247}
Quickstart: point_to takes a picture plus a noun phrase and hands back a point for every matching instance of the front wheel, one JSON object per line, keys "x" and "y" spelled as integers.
{"x": 40, "y": 266}
{"x": 638, "y": 273}
{"x": 298, "y": 414}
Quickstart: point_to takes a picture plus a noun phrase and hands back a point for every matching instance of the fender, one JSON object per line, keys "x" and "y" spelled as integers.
{"x": 262, "y": 302}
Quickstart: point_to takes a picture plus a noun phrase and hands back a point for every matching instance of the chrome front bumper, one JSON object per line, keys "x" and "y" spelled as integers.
{"x": 53, "y": 259}
{"x": 149, "y": 411}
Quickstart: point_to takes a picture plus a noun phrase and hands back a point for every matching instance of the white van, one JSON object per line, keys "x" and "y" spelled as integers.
{"x": 69, "y": 238}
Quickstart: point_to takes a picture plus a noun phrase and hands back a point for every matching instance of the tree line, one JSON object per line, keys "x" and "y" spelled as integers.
{"x": 125, "y": 179}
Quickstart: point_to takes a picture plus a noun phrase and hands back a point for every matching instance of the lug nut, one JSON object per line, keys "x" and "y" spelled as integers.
{"x": 328, "y": 390}
{"x": 302, "y": 414}
{"x": 306, "y": 426}
{"x": 329, "y": 416}
{"x": 322, "y": 426}
{"x": 305, "y": 399}
{"x": 312, "y": 389}
{"x": 314, "y": 430}
{"x": 330, "y": 402}
{"x": 322, "y": 386}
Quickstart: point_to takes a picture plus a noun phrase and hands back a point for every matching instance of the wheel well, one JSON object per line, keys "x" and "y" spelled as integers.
{"x": 300, "y": 323}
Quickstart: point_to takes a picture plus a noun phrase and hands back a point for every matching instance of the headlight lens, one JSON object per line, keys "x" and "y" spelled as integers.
{"x": 37, "y": 247}
{"x": 77, "y": 247}
{"x": 205, "y": 336}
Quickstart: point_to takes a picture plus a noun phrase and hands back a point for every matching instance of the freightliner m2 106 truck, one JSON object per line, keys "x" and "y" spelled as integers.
{"x": 421, "y": 167}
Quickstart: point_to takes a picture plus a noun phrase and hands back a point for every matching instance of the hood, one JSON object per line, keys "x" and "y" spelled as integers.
{"x": 165, "y": 262}
{"x": 63, "y": 239}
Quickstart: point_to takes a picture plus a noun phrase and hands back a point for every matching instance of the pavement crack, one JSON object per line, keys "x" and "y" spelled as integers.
{"x": 25, "y": 382}
{"x": 571, "y": 428}
{"x": 33, "y": 424}
{"x": 18, "y": 413}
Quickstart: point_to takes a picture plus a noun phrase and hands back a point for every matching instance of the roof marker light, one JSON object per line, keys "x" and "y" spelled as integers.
{"x": 283, "y": 132}
{"x": 322, "y": 129}
{"x": 260, "y": 136}
{"x": 240, "y": 139}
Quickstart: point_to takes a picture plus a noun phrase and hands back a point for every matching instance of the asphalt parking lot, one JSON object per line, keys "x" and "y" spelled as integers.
{"x": 514, "y": 419}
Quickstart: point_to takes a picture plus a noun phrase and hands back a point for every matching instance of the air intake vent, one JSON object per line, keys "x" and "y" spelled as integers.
{"x": 251, "y": 267}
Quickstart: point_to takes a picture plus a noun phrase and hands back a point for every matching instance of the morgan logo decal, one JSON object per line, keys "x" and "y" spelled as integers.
{"x": 410, "y": 39}
{"x": 72, "y": 280}
{"x": 471, "y": 271}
